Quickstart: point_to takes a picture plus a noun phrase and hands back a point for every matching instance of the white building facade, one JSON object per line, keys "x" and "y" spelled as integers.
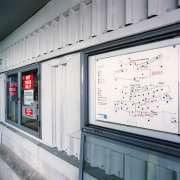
{"x": 48, "y": 91}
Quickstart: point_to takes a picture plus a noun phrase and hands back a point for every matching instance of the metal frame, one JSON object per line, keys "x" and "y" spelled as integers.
{"x": 19, "y": 73}
{"x": 132, "y": 41}
{"x": 153, "y": 144}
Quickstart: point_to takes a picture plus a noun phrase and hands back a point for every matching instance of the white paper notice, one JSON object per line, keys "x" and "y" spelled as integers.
{"x": 28, "y": 97}
{"x": 139, "y": 89}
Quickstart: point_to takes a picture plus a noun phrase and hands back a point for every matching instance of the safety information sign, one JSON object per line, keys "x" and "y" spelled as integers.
{"x": 28, "y": 97}
{"x": 28, "y": 81}
{"x": 12, "y": 89}
{"x": 139, "y": 89}
{"x": 29, "y": 112}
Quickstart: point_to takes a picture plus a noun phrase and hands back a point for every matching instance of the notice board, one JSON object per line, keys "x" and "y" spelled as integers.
{"x": 140, "y": 89}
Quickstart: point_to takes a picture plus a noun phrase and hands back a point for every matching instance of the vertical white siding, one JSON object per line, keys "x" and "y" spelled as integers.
{"x": 85, "y": 21}
{"x": 42, "y": 42}
{"x": 127, "y": 162}
{"x": 81, "y": 20}
{"x": 98, "y": 17}
{"x": 136, "y": 11}
{"x": 46, "y": 104}
{"x": 88, "y": 19}
{"x": 2, "y": 97}
{"x": 54, "y": 35}
{"x": 35, "y": 44}
{"x": 65, "y": 30}
{"x": 47, "y": 38}
{"x": 73, "y": 26}
{"x": 115, "y": 14}
{"x": 60, "y": 31}
{"x": 158, "y": 7}
{"x": 23, "y": 46}
{"x": 61, "y": 104}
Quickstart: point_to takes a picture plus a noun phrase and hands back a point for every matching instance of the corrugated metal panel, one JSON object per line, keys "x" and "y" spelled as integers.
{"x": 13, "y": 55}
{"x": 2, "y": 98}
{"x": 86, "y": 20}
{"x": 47, "y": 39}
{"x": 166, "y": 174}
{"x": 53, "y": 105}
{"x": 115, "y": 14}
{"x": 98, "y": 17}
{"x": 51, "y": 36}
{"x": 127, "y": 167}
{"x": 116, "y": 164}
{"x": 138, "y": 170}
{"x": 136, "y": 11}
{"x": 35, "y": 44}
{"x": 152, "y": 8}
{"x": 87, "y": 155}
{"x": 65, "y": 30}
{"x": 129, "y": 12}
{"x": 1, "y": 60}
{"x": 63, "y": 110}
{"x": 18, "y": 52}
{"x": 81, "y": 20}
{"x": 54, "y": 35}
{"x": 42, "y": 42}
{"x": 8, "y": 57}
{"x": 60, "y": 31}
{"x": 158, "y": 7}
{"x": 129, "y": 163}
{"x": 73, "y": 26}
{"x": 26, "y": 40}
{"x": 151, "y": 171}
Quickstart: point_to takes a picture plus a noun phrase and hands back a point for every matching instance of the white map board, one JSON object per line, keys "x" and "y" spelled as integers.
{"x": 139, "y": 89}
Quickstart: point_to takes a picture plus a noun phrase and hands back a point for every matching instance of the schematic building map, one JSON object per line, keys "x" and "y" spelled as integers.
{"x": 140, "y": 89}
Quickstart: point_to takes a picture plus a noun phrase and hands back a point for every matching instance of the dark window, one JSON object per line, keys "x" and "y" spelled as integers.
{"x": 12, "y": 98}
{"x": 29, "y": 99}
{"x": 23, "y": 99}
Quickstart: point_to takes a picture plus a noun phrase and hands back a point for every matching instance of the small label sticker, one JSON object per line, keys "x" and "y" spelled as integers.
{"x": 29, "y": 112}
{"x": 12, "y": 89}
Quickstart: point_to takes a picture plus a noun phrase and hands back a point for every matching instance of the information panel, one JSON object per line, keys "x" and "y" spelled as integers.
{"x": 139, "y": 89}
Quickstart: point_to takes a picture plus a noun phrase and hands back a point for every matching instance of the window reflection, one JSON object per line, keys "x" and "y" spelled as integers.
{"x": 29, "y": 96}
{"x": 107, "y": 159}
{"x": 12, "y": 98}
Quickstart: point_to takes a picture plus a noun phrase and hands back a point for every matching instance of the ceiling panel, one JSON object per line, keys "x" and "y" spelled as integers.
{"x": 15, "y": 12}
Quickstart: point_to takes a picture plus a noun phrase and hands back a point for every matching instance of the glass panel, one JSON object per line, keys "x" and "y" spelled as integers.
{"x": 12, "y": 97}
{"x": 112, "y": 160}
{"x": 29, "y": 99}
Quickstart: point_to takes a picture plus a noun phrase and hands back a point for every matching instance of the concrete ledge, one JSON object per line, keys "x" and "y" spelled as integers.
{"x": 60, "y": 154}
{"x": 49, "y": 162}
{"x": 18, "y": 166}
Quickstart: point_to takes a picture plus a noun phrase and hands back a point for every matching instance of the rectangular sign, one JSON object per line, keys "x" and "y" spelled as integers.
{"x": 28, "y": 97}
{"x": 12, "y": 89}
{"x": 139, "y": 89}
{"x": 29, "y": 112}
{"x": 28, "y": 81}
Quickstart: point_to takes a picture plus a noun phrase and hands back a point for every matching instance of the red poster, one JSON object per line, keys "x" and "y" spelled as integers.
{"x": 28, "y": 81}
{"x": 28, "y": 112}
{"x": 12, "y": 89}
